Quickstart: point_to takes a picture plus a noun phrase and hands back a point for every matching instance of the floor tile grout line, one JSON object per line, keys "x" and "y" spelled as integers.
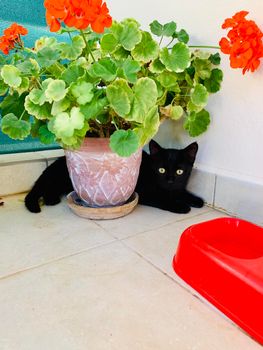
{"x": 157, "y": 227}
{"x": 146, "y": 260}
{"x": 153, "y": 228}
{"x": 34, "y": 267}
{"x": 185, "y": 287}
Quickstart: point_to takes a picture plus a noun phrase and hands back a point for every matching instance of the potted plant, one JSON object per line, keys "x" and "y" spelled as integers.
{"x": 110, "y": 81}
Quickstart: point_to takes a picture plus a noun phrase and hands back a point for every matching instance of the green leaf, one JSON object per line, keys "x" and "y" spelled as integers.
{"x": 130, "y": 69}
{"x": 60, "y": 106}
{"x": 93, "y": 109}
{"x": 72, "y": 73}
{"x": 202, "y": 68}
{"x": 193, "y": 108}
{"x": 147, "y": 50}
{"x": 145, "y": 97}
{"x": 64, "y": 124}
{"x": 156, "y": 28}
{"x": 45, "y": 41}
{"x": 37, "y": 96}
{"x": 106, "y": 69}
{"x": 15, "y": 128}
{"x": 14, "y": 104}
{"x": 40, "y": 112}
{"x": 150, "y": 126}
{"x": 108, "y": 43}
{"x": 35, "y": 127}
{"x": 124, "y": 142}
{"x": 11, "y": 75}
{"x": 120, "y": 53}
{"x": 156, "y": 66}
{"x": 82, "y": 91}
{"x": 3, "y": 88}
{"x": 47, "y": 56}
{"x": 45, "y": 136}
{"x": 73, "y": 50}
{"x": 120, "y": 97}
{"x": 24, "y": 86}
{"x": 2, "y": 60}
{"x": 199, "y": 95}
{"x": 74, "y": 141}
{"x": 215, "y": 59}
{"x": 169, "y": 81}
{"x": 176, "y": 112}
{"x": 213, "y": 84}
{"x": 179, "y": 58}
{"x": 127, "y": 34}
{"x": 29, "y": 67}
{"x": 197, "y": 123}
{"x": 183, "y": 36}
{"x": 169, "y": 28}
{"x": 56, "y": 90}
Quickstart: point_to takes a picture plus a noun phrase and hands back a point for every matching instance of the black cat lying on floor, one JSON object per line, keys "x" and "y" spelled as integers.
{"x": 162, "y": 181}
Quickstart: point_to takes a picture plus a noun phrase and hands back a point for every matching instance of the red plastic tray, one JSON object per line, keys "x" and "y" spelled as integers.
{"x": 222, "y": 259}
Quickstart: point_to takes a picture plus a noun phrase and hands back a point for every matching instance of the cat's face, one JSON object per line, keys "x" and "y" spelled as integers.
{"x": 172, "y": 167}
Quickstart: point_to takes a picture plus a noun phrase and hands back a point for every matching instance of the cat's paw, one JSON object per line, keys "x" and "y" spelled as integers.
{"x": 197, "y": 202}
{"x": 52, "y": 201}
{"x": 181, "y": 209}
{"x": 32, "y": 204}
{"x": 33, "y": 207}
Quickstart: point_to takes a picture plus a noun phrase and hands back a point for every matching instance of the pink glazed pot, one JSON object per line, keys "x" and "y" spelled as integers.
{"x": 101, "y": 177}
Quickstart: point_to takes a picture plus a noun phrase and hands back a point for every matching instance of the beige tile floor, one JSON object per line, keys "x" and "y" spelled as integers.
{"x": 68, "y": 283}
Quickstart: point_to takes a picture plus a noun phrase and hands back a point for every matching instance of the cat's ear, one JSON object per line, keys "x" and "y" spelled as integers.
{"x": 154, "y": 147}
{"x": 191, "y": 151}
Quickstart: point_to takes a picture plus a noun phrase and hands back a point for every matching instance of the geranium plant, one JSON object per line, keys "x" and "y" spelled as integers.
{"x": 110, "y": 79}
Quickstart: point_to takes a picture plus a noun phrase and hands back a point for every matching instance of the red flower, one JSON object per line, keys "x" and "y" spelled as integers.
{"x": 12, "y": 37}
{"x": 77, "y": 13}
{"x": 243, "y": 43}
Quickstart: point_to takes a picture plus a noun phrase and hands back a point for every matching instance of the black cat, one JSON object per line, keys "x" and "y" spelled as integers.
{"x": 163, "y": 177}
{"x": 162, "y": 181}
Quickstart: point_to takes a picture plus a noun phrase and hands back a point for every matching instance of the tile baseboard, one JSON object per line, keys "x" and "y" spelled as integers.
{"x": 19, "y": 171}
{"x": 239, "y": 198}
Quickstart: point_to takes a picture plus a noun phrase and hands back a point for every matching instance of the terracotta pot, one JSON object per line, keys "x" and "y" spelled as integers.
{"x": 101, "y": 177}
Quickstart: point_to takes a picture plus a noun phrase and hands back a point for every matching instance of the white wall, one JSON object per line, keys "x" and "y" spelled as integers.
{"x": 233, "y": 144}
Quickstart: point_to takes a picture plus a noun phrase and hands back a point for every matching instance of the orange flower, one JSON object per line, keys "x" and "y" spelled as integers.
{"x": 77, "y": 13}
{"x": 14, "y": 31}
{"x": 12, "y": 37}
{"x": 52, "y": 22}
{"x": 5, "y": 45}
{"x": 102, "y": 20}
{"x": 243, "y": 43}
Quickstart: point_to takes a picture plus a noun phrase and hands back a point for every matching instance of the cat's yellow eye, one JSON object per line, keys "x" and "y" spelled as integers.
{"x": 179, "y": 172}
{"x": 161, "y": 170}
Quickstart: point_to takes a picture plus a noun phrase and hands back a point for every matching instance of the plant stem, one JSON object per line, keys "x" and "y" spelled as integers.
{"x": 113, "y": 122}
{"x": 88, "y": 49}
{"x": 204, "y": 47}
{"x": 170, "y": 42}
{"x": 161, "y": 40}
{"x": 38, "y": 83}
{"x": 70, "y": 36}
{"x": 21, "y": 116}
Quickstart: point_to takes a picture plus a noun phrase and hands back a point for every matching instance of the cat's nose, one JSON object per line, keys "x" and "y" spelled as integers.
{"x": 170, "y": 180}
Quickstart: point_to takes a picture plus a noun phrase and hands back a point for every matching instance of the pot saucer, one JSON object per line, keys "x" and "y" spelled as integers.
{"x": 80, "y": 208}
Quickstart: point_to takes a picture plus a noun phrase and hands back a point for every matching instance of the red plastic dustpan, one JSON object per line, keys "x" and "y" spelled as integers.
{"x": 222, "y": 259}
